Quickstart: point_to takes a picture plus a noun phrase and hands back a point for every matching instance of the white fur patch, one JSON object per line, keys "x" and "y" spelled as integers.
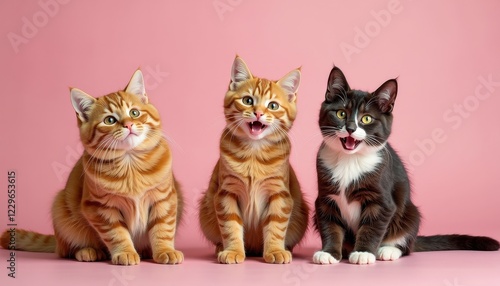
{"x": 253, "y": 206}
{"x": 322, "y": 257}
{"x": 350, "y": 212}
{"x": 389, "y": 253}
{"x": 348, "y": 168}
{"x": 362, "y": 258}
{"x": 139, "y": 219}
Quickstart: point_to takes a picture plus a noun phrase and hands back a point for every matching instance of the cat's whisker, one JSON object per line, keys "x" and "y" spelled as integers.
{"x": 330, "y": 139}
{"x": 109, "y": 143}
{"x": 94, "y": 157}
{"x": 233, "y": 126}
{"x": 156, "y": 134}
{"x": 372, "y": 140}
{"x": 276, "y": 128}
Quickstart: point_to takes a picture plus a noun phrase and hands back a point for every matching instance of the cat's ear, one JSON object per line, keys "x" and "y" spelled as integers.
{"x": 82, "y": 103}
{"x": 136, "y": 86}
{"x": 386, "y": 95}
{"x": 239, "y": 73}
{"x": 290, "y": 83}
{"x": 337, "y": 84}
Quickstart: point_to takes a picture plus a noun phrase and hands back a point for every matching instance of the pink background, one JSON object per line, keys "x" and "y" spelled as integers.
{"x": 439, "y": 50}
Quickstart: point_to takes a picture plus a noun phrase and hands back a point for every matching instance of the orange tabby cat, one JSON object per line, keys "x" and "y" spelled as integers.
{"x": 254, "y": 205}
{"x": 121, "y": 200}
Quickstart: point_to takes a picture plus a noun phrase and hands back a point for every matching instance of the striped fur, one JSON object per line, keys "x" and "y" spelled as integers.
{"x": 121, "y": 201}
{"x": 254, "y": 205}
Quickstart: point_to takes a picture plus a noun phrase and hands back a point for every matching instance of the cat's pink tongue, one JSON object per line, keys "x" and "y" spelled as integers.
{"x": 350, "y": 143}
{"x": 256, "y": 127}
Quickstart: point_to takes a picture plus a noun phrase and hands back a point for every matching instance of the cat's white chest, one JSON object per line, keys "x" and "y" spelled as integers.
{"x": 254, "y": 206}
{"x": 139, "y": 217}
{"x": 346, "y": 169}
{"x": 350, "y": 211}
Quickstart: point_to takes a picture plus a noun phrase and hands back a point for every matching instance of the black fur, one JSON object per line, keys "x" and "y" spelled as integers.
{"x": 387, "y": 212}
{"x": 455, "y": 242}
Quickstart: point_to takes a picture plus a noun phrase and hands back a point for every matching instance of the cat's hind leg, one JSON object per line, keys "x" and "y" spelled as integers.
{"x": 323, "y": 257}
{"x": 392, "y": 249}
{"x": 89, "y": 254}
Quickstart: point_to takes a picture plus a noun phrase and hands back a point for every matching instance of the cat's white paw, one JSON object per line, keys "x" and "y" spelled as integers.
{"x": 389, "y": 253}
{"x": 361, "y": 257}
{"x": 322, "y": 257}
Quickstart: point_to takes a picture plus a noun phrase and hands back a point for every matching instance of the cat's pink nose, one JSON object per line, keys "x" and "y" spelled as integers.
{"x": 128, "y": 125}
{"x": 258, "y": 114}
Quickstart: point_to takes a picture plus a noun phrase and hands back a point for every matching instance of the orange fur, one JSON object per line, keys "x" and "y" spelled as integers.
{"x": 254, "y": 205}
{"x": 121, "y": 201}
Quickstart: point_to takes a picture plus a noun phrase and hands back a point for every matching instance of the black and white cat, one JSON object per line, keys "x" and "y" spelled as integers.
{"x": 364, "y": 209}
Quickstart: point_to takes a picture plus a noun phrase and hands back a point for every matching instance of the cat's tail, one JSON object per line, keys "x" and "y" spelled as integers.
{"x": 19, "y": 239}
{"x": 455, "y": 242}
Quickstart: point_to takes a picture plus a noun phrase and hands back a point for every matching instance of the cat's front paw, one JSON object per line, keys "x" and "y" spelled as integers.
{"x": 389, "y": 253}
{"x": 278, "y": 257}
{"x": 323, "y": 257}
{"x": 169, "y": 257}
{"x": 125, "y": 258}
{"x": 362, "y": 258}
{"x": 230, "y": 257}
{"x": 89, "y": 254}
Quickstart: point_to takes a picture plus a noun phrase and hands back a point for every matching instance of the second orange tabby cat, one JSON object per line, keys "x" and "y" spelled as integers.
{"x": 254, "y": 205}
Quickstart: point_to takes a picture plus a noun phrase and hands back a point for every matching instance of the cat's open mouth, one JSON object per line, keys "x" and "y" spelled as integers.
{"x": 349, "y": 143}
{"x": 256, "y": 127}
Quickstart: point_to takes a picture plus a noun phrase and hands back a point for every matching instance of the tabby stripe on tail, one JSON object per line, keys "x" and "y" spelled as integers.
{"x": 29, "y": 241}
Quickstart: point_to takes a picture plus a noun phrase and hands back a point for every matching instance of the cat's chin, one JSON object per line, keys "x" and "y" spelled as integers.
{"x": 130, "y": 142}
{"x": 351, "y": 151}
{"x": 257, "y": 137}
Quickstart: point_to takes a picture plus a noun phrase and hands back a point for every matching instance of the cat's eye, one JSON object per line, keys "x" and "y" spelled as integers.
{"x": 341, "y": 114}
{"x": 247, "y": 100}
{"x": 109, "y": 120}
{"x": 366, "y": 119}
{"x": 134, "y": 113}
{"x": 273, "y": 105}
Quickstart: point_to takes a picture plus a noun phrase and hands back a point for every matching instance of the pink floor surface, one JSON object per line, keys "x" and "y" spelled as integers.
{"x": 450, "y": 268}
